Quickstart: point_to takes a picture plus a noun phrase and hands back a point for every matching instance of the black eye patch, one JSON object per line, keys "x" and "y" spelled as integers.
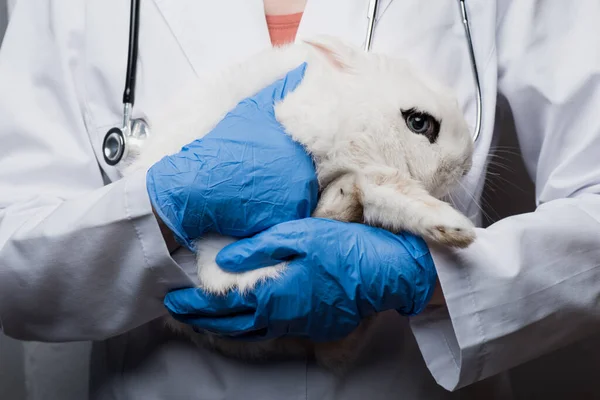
{"x": 422, "y": 123}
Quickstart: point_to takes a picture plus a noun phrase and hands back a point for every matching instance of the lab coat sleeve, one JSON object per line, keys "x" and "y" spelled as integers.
{"x": 530, "y": 284}
{"x": 79, "y": 259}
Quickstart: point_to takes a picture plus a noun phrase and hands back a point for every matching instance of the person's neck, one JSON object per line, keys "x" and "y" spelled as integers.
{"x": 282, "y": 7}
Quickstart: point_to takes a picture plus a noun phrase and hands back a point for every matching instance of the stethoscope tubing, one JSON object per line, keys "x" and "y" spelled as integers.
{"x": 134, "y": 32}
{"x": 475, "y": 72}
{"x": 116, "y": 138}
{"x": 114, "y": 145}
{"x": 371, "y": 17}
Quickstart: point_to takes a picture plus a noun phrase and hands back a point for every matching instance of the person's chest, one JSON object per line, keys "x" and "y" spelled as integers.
{"x": 179, "y": 40}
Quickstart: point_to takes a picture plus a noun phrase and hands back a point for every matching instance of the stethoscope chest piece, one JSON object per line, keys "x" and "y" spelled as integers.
{"x": 118, "y": 140}
{"x": 114, "y": 146}
{"x": 133, "y": 132}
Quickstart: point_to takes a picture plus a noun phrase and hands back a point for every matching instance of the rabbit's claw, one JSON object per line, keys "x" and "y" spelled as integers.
{"x": 450, "y": 228}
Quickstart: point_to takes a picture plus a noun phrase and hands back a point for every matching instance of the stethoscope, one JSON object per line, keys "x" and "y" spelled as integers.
{"x": 117, "y": 140}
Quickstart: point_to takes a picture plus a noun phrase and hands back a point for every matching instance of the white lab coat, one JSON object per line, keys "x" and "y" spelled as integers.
{"x": 82, "y": 257}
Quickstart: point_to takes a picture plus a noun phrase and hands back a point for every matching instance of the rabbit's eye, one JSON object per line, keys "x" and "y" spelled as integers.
{"x": 422, "y": 124}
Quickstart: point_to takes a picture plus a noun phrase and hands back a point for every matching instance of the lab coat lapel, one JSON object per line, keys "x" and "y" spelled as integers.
{"x": 213, "y": 34}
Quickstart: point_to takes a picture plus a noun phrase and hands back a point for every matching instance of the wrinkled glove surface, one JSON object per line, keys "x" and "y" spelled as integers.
{"x": 244, "y": 176}
{"x": 339, "y": 273}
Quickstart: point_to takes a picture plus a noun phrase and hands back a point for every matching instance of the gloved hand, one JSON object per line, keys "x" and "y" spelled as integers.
{"x": 340, "y": 273}
{"x": 244, "y": 176}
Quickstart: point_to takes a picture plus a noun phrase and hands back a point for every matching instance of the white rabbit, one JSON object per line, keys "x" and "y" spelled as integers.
{"x": 388, "y": 142}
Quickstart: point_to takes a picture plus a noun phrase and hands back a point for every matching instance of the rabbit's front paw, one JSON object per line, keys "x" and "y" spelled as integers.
{"x": 450, "y": 228}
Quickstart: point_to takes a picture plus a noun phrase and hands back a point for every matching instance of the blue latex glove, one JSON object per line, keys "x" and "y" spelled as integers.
{"x": 244, "y": 176}
{"x": 340, "y": 273}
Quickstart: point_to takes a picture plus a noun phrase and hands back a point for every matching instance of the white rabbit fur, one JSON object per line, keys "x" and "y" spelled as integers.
{"x": 371, "y": 167}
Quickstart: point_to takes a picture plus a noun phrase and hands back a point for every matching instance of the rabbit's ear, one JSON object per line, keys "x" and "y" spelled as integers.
{"x": 335, "y": 51}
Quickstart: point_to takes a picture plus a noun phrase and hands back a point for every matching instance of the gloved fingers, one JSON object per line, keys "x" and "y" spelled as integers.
{"x": 291, "y": 80}
{"x": 415, "y": 245}
{"x": 422, "y": 277}
{"x": 279, "y": 243}
{"x": 279, "y": 89}
{"x": 195, "y": 302}
{"x": 234, "y": 325}
{"x": 422, "y": 281}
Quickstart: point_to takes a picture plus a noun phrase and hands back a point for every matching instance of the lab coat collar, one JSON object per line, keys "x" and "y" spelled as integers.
{"x": 211, "y": 41}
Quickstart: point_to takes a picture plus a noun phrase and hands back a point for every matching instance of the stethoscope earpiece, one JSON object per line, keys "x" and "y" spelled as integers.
{"x": 113, "y": 146}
